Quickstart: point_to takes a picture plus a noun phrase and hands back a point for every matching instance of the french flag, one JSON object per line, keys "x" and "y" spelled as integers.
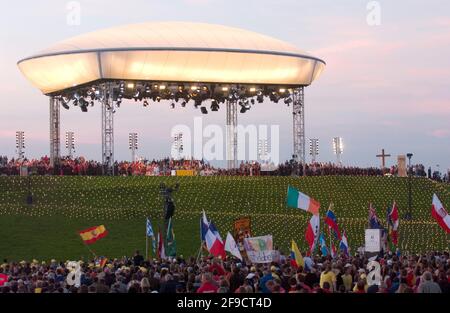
{"x": 331, "y": 221}
{"x": 210, "y": 235}
{"x": 440, "y": 214}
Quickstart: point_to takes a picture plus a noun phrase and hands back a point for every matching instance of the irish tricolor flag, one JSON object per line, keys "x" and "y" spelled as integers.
{"x": 296, "y": 199}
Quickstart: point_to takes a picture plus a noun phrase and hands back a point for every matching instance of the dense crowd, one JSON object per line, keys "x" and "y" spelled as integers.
{"x": 427, "y": 273}
{"x": 166, "y": 167}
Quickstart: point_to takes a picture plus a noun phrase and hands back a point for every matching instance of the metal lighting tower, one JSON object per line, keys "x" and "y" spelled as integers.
{"x": 20, "y": 144}
{"x": 107, "y": 129}
{"x": 231, "y": 105}
{"x": 178, "y": 144}
{"x": 338, "y": 148}
{"x": 133, "y": 145}
{"x": 313, "y": 149}
{"x": 408, "y": 216}
{"x": 55, "y": 122}
{"x": 70, "y": 144}
{"x": 298, "y": 124}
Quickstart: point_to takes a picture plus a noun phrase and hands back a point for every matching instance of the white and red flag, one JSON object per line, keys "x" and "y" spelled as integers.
{"x": 394, "y": 222}
{"x": 440, "y": 214}
{"x": 312, "y": 232}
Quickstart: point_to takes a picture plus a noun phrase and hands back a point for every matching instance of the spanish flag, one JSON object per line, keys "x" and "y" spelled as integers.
{"x": 93, "y": 234}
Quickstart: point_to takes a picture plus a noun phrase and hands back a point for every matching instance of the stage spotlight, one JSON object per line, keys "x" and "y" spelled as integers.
{"x": 204, "y": 110}
{"x": 282, "y": 90}
{"x": 252, "y": 89}
{"x": 130, "y": 85}
{"x": 214, "y": 105}
{"x": 162, "y": 87}
{"x": 224, "y": 88}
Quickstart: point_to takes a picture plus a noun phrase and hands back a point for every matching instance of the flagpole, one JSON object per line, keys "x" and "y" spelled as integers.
{"x": 146, "y": 246}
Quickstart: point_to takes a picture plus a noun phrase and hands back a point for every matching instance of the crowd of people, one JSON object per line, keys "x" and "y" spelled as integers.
{"x": 422, "y": 273}
{"x": 167, "y": 166}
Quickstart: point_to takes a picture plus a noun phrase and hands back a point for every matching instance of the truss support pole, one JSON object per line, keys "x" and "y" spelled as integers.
{"x": 231, "y": 134}
{"x": 54, "y": 132}
{"x": 108, "y": 130}
{"x": 298, "y": 125}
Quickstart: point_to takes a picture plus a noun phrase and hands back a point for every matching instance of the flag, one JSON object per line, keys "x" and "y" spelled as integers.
{"x": 210, "y": 235}
{"x": 323, "y": 245}
{"x": 393, "y": 222}
{"x": 3, "y": 279}
{"x": 101, "y": 262}
{"x": 333, "y": 251}
{"x": 296, "y": 256}
{"x": 331, "y": 221}
{"x": 149, "y": 228}
{"x": 440, "y": 214}
{"x": 296, "y": 199}
{"x": 374, "y": 222}
{"x": 231, "y": 246}
{"x": 343, "y": 245}
{"x": 312, "y": 232}
{"x": 161, "y": 250}
{"x": 204, "y": 226}
{"x": 93, "y": 234}
{"x": 151, "y": 234}
{"x": 171, "y": 244}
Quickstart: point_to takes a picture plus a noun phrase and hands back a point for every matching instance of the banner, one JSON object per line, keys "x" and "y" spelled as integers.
{"x": 242, "y": 229}
{"x": 185, "y": 173}
{"x": 260, "y": 249}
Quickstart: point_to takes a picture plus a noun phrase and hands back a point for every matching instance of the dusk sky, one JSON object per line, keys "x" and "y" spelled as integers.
{"x": 384, "y": 86}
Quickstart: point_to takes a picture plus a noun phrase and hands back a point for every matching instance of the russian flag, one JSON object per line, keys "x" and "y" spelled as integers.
{"x": 343, "y": 245}
{"x": 296, "y": 199}
{"x": 330, "y": 220}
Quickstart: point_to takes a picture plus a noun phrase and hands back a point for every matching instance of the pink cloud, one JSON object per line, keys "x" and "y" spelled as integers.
{"x": 440, "y": 133}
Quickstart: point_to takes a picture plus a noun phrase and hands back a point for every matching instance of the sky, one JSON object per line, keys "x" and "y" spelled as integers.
{"x": 386, "y": 83}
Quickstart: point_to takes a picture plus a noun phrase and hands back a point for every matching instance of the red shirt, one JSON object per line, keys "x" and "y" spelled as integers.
{"x": 207, "y": 288}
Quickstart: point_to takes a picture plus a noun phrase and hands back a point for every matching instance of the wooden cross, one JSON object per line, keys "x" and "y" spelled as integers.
{"x": 383, "y": 157}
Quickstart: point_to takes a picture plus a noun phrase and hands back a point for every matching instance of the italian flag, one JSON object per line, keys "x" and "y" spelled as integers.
{"x": 296, "y": 199}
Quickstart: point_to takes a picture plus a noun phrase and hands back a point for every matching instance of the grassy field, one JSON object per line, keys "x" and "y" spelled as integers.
{"x": 64, "y": 205}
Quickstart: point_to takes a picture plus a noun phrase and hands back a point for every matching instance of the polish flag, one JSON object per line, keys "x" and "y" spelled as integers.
{"x": 312, "y": 232}
{"x": 440, "y": 214}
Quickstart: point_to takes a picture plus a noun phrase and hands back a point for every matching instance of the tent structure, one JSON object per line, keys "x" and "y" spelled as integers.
{"x": 171, "y": 60}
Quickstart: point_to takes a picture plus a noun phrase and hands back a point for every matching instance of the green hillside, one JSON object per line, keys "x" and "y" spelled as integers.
{"x": 64, "y": 205}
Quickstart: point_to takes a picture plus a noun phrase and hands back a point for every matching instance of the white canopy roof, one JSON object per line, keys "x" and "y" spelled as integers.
{"x": 171, "y": 51}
